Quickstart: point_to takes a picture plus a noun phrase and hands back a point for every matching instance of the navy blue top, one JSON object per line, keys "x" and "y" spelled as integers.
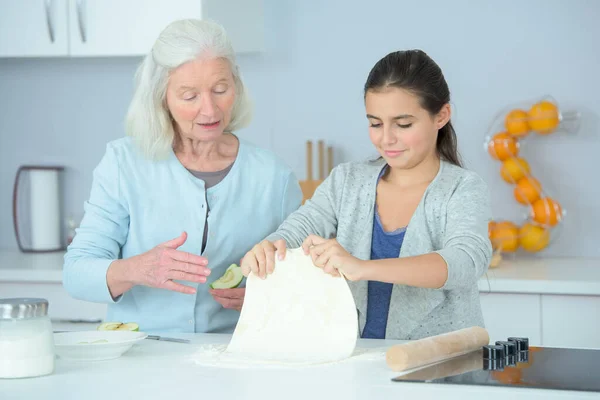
{"x": 384, "y": 245}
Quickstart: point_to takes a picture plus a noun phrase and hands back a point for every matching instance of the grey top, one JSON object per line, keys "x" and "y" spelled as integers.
{"x": 451, "y": 219}
{"x": 210, "y": 179}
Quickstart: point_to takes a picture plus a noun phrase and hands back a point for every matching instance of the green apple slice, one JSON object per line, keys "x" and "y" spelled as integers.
{"x": 130, "y": 326}
{"x": 231, "y": 279}
{"x": 119, "y": 326}
{"x": 109, "y": 326}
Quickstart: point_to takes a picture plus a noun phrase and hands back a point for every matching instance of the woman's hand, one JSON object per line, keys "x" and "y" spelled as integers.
{"x": 261, "y": 259}
{"x": 333, "y": 258}
{"x": 159, "y": 268}
{"x": 229, "y": 298}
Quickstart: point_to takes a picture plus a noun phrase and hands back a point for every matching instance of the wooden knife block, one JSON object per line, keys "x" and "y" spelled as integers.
{"x": 309, "y": 185}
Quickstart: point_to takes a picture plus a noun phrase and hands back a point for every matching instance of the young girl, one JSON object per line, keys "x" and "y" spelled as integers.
{"x": 408, "y": 230}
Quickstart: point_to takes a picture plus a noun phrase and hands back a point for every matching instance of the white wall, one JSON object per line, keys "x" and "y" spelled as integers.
{"x": 309, "y": 86}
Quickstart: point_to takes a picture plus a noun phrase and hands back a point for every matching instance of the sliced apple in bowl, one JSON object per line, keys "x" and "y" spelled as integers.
{"x": 95, "y": 345}
{"x": 119, "y": 326}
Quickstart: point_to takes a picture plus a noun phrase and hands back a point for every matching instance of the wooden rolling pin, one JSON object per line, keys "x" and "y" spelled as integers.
{"x": 456, "y": 366}
{"x": 434, "y": 349}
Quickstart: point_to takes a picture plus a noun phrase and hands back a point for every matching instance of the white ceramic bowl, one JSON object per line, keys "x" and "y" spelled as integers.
{"x": 109, "y": 344}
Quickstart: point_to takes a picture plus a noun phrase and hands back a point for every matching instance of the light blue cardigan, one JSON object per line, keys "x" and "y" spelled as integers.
{"x": 136, "y": 204}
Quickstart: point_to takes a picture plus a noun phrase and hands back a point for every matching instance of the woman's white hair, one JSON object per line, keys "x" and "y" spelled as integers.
{"x": 148, "y": 119}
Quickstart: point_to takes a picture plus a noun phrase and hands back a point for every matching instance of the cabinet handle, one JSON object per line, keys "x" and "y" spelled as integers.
{"x": 80, "y": 20}
{"x": 49, "y": 8}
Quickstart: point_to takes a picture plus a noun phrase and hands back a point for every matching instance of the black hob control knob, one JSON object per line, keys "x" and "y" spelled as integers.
{"x": 510, "y": 361}
{"x": 492, "y": 352}
{"x": 496, "y": 364}
{"x": 521, "y": 342}
{"x": 523, "y": 357}
{"x": 510, "y": 348}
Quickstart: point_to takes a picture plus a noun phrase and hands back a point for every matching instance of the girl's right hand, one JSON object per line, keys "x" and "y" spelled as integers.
{"x": 261, "y": 259}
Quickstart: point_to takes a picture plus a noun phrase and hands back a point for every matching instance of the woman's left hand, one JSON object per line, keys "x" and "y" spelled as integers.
{"x": 333, "y": 258}
{"x": 229, "y": 298}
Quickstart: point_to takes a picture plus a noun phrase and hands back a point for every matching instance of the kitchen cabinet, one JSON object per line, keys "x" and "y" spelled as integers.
{"x": 554, "y": 301}
{"x": 33, "y": 28}
{"x": 571, "y": 321}
{"x": 112, "y": 28}
{"x": 511, "y": 314}
{"x": 546, "y": 319}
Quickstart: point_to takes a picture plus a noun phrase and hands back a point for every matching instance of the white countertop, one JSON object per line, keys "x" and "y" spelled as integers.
{"x": 159, "y": 370}
{"x": 567, "y": 276}
{"x": 564, "y": 276}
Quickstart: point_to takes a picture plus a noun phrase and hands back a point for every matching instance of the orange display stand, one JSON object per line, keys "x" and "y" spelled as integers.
{"x": 511, "y": 127}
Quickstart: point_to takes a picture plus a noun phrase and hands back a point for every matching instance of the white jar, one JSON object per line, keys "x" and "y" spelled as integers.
{"x": 26, "y": 338}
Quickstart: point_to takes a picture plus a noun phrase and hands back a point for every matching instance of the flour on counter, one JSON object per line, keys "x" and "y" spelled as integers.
{"x": 216, "y": 355}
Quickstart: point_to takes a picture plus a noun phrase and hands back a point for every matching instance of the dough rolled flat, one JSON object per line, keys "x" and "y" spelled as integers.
{"x": 298, "y": 314}
{"x": 434, "y": 349}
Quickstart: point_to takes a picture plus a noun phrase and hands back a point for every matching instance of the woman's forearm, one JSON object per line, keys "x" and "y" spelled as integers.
{"x": 118, "y": 277}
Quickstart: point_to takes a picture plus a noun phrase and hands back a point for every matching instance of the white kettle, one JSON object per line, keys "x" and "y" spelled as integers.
{"x": 37, "y": 209}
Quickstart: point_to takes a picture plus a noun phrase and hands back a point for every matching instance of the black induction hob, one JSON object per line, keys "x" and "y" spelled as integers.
{"x": 514, "y": 364}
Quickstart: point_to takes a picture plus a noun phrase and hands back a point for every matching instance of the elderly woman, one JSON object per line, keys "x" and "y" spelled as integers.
{"x": 182, "y": 197}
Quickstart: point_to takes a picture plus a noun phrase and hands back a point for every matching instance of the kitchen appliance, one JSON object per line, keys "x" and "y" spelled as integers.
{"x": 37, "y": 209}
{"x": 26, "y": 341}
{"x": 512, "y": 363}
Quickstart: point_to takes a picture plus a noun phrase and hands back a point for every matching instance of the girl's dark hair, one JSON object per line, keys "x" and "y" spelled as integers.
{"x": 416, "y": 72}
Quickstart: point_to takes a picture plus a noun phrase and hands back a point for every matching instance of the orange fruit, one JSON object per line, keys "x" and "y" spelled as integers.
{"x": 503, "y": 146}
{"x": 491, "y": 226}
{"x": 533, "y": 238}
{"x": 527, "y": 190}
{"x": 543, "y": 117}
{"x": 546, "y": 211}
{"x": 516, "y": 123}
{"x": 505, "y": 236}
{"x": 514, "y": 169}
